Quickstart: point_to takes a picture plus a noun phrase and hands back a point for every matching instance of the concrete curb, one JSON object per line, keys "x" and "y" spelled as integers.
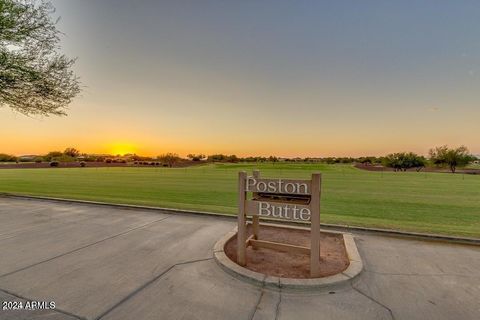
{"x": 347, "y": 228}
{"x": 338, "y": 281}
{"x": 119, "y": 205}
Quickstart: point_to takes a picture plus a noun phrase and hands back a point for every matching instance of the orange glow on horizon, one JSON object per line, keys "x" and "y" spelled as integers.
{"x": 122, "y": 148}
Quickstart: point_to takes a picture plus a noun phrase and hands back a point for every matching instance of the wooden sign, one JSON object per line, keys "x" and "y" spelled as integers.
{"x": 293, "y": 200}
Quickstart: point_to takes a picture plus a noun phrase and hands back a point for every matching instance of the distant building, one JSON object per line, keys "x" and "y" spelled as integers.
{"x": 27, "y": 157}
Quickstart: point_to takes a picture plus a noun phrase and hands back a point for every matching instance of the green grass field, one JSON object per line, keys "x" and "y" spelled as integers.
{"x": 422, "y": 202}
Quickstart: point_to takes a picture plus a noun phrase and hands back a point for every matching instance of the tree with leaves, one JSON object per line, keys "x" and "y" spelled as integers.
{"x": 7, "y": 158}
{"x": 71, "y": 152}
{"x": 453, "y": 158}
{"x": 169, "y": 159}
{"x": 52, "y": 155}
{"x": 401, "y": 161}
{"x": 273, "y": 159}
{"x": 35, "y": 79}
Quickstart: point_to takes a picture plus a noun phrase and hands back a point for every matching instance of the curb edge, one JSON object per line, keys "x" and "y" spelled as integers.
{"x": 336, "y": 281}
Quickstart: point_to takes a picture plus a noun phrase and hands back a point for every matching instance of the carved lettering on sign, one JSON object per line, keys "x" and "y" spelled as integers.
{"x": 278, "y": 186}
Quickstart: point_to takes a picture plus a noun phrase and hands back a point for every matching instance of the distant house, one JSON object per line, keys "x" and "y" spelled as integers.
{"x": 27, "y": 158}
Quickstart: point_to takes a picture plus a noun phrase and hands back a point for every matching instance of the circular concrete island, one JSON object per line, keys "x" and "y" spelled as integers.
{"x": 340, "y": 261}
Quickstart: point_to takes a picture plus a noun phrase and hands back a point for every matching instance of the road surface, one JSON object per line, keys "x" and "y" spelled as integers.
{"x": 102, "y": 262}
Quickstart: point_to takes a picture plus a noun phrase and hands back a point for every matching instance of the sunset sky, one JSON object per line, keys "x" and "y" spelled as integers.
{"x": 285, "y": 78}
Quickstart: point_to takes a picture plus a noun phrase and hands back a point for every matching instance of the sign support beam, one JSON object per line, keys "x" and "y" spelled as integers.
{"x": 242, "y": 225}
{"x": 315, "y": 226}
{"x": 256, "y": 219}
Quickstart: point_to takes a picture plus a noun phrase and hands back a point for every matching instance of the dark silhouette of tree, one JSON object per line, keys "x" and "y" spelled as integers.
{"x": 169, "y": 158}
{"x": 72, "y": 152}
{"x": 52, "y": 155}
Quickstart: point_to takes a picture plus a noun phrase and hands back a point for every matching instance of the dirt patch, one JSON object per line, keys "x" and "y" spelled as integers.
{"x": 333, "y": 256}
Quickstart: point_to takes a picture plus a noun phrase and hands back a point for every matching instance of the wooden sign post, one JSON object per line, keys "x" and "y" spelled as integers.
{"x": 294, "y": 200}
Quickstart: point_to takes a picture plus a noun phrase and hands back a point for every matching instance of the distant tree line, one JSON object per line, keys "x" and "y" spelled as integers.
{"x": 328, "y": 160}
{"x": 401, "y": 161}
{"x": 223, "y": 158}
{"x": 442, "y": 156}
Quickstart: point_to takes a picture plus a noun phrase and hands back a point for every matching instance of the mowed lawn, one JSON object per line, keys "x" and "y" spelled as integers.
{"x": 422, "y": 202}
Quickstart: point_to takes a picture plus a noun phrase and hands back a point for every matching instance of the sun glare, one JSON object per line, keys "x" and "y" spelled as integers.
{"x": 122, "y": 148}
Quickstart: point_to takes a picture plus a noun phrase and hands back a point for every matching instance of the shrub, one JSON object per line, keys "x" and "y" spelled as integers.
{"x": 64, "y": 158}
{"x": 54, "y": 164}
{"x": 196, "y": 157}
{"x": 52, "y": 154}
{"x": 108, "y": 160}
{"x": 90, "y": 158}
{"x": 82, "y": 164}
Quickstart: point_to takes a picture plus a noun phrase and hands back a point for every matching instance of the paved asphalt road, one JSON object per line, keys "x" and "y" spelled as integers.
{"x": 99, "y": 262}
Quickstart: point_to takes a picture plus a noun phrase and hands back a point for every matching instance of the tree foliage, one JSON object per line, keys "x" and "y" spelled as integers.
{"x": 223, "y": 158}
{"x": 52, "y": 155}
{"x": 368, "y": 160}
{"x": 72, "y": 152}
{"x": 453, "y": 158}
{"x": 169, "y": 158}
{"x": 35, "y": 79}
{"x": 402, "y": 161}
{"x": 273, "y": 159}
{"x": 7, "y": 158}
{"x": 196, "y": 157}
